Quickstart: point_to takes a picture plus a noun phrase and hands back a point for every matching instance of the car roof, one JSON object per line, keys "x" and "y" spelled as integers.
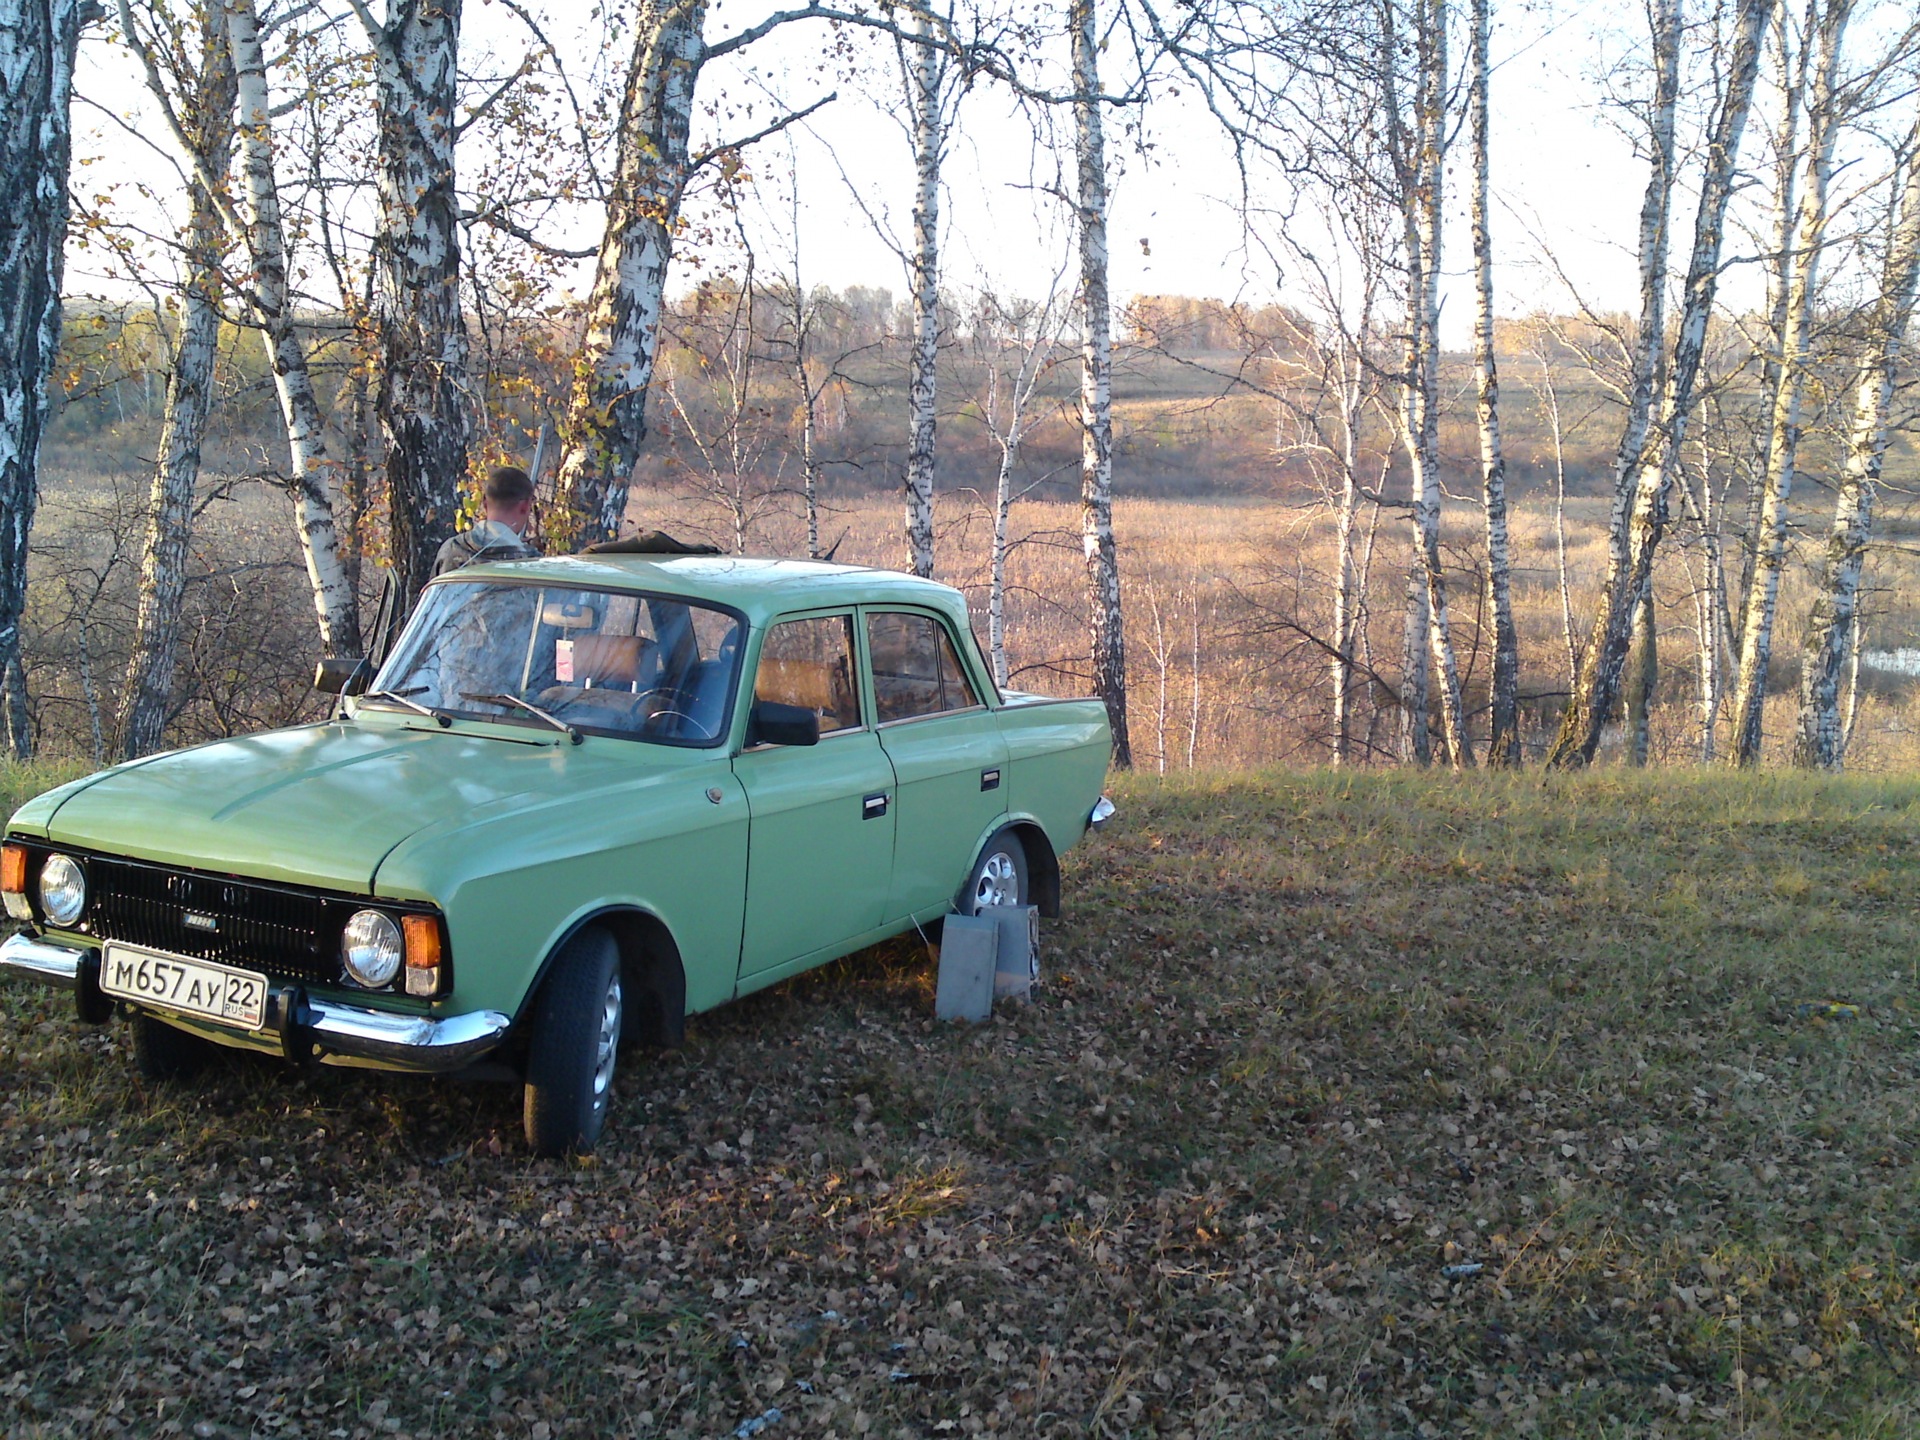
{"x": 762, "y": 586}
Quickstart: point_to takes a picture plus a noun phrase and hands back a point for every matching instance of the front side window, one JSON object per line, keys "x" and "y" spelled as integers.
{"x": 915, "y": 669}
{"x": 809, "y": 663}
{"x": 642, "y": 667}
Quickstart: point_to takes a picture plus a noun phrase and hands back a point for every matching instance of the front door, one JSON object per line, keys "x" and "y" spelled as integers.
{"x": 820, "y": 842}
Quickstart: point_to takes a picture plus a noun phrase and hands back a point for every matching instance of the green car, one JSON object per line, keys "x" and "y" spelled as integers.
{"x": 583, "y": 799}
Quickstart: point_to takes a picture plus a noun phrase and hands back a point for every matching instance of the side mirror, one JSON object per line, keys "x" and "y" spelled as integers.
{"x": 342, "y": 675}
{"x": 771, "y": 723}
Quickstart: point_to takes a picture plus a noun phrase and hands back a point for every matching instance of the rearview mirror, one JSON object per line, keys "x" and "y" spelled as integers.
{"x": 342, "y": 675}
{"x": 771, "y": 723}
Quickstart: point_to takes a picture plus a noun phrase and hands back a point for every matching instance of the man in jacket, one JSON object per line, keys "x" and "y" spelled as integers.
{"x": 506, "y": 504}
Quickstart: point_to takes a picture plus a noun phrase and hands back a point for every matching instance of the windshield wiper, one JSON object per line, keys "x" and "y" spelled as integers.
{"x": 501, "y": 698}
{"x": 406, "y": 704}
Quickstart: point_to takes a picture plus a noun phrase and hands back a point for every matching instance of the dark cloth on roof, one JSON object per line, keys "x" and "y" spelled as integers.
{"x": 649, "y": 542}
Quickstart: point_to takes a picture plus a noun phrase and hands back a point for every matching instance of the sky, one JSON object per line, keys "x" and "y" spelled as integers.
{"x": 1559, "y": 167}
{"x": 1564, "y": 173}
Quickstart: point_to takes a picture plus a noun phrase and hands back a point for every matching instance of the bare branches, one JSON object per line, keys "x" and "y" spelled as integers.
{"x": 706, "y": 157}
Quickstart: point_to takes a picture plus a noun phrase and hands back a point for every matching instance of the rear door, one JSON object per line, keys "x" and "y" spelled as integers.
{"x": 820, "y": 840}
{"x": 949, "y": 760}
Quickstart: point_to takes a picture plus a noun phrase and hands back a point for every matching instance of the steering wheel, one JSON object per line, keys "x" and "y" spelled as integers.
{"x": 699, "y": 731}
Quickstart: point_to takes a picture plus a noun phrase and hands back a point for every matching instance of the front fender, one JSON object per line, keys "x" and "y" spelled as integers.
{"x": 514, "y": 884}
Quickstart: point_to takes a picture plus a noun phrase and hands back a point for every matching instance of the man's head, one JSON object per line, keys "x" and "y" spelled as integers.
{"x": 508, "y": 497}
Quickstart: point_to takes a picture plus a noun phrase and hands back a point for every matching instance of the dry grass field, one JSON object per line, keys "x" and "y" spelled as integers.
{"x": 1366, "y": 1105}
{"x": 1243, "y": 570}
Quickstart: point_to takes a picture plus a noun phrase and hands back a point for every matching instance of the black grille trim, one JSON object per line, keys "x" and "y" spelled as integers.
{"x": 284, "y": 930}
{"x": 265, "y": 927}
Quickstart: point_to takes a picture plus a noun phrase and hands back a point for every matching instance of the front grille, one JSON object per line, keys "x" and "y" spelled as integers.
{"x": 211, "y": 917}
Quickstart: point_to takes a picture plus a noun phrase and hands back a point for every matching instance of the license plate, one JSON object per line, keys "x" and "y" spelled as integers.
{"x": 192, "y": 987}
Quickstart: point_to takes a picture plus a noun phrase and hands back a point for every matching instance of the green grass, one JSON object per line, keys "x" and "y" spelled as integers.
{"x": 1304, "y": 1042}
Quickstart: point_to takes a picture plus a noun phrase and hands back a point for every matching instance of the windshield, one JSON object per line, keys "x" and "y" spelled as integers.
{"x": 642, "y": 667}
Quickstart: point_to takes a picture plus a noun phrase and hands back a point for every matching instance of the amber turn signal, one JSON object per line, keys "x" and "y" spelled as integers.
{"x": 423, "y": 941}
{"x": 13, "y": 881}
{"x": 13, "y": 869}
{"x": 425, "y": 978}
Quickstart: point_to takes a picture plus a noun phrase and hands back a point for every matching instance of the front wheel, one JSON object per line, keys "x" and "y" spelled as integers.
{"x": 573, "y": 1046}
{"x": 999, "y": 876}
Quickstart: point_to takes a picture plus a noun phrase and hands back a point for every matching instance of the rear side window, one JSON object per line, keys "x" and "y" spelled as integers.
{"x": 810, "y": 663}
{"x": 915, "y": 668}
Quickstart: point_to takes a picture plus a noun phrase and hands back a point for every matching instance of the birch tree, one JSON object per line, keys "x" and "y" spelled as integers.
{"x": 198, "y": 99}
{"x": 606, "y": 413}
{"x": 1792, "y": 54}
{"x": 1641, "y": 521}
{"x": 923, "y": 70}
{"x": 37, "y": 45}
{"x": 801, "y": 313}
{"x": 270, "y": 297}
{"x": 808, "y": 321}
{"x": 423, "y": 399}
{"x": 1417, "y": 127}
{"x": 1832, "y": 629}
{"x": 1028, "y": 335}
{"x": 1503, "y": 740}
{"x": 1796, "y": 335}
{"x": 1107, "y": 636}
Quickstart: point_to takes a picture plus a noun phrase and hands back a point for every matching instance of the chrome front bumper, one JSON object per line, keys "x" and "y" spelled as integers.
{"x": 1101, "y": 813}
{"x": 298, "y": 1026}
{"x": 61, "y": 966}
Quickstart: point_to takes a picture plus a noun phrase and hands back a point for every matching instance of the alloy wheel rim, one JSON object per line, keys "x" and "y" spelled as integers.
{"x": 999, "y": 882}
{"x": 609, "y": 1044}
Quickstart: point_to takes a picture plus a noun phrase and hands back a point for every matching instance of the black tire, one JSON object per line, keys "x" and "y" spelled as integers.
{"x": 572, "y": 1045}
{"x": 999, "y": 876}
{"x": 163, "y": 1054}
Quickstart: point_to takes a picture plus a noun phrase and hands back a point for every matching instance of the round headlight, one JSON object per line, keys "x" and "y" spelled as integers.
{"x": 371, "y": 948}
{"x": 63, "y": 890}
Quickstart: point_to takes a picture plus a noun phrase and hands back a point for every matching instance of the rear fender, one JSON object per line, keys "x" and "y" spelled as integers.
{"x": 1043, "y": 865}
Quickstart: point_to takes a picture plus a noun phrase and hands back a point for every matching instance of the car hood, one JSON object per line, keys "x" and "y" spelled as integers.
{"x": 318, "y": 805}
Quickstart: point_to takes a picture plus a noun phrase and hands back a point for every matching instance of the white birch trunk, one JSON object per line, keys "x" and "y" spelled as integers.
{"x": 1600, "y": 672}
{"x": 606, "y": 413}
{"x": 1420, "y": 395}
{"x": 925, "y": 74}
{"x": 997, "y": 582}
{"x": 423, "y": 399}
{"x": 1416, "y": 741}
{"x": 1783, "y": 447}
{"x": 1647, "y": 366}
{"x": 1193, "y": 711}
{"x": 1552, "y": 396}
{"x": 207, "y": 118}
{"x": 1349, "y": 379}
{"x": 1712, "y": 594}
{"x": 1791, "y": 84}
{"x": 1643, "y": 675}
{"x": 1096, "y": 386}
{"x": 1832, "y": 638}
{"x": 1503, "y": 739}
{"x": 1650, "y": 336}
{"x": 809, "y": 457}
{"x": 37, "y": 44}
{"x": 271, "y": 299}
